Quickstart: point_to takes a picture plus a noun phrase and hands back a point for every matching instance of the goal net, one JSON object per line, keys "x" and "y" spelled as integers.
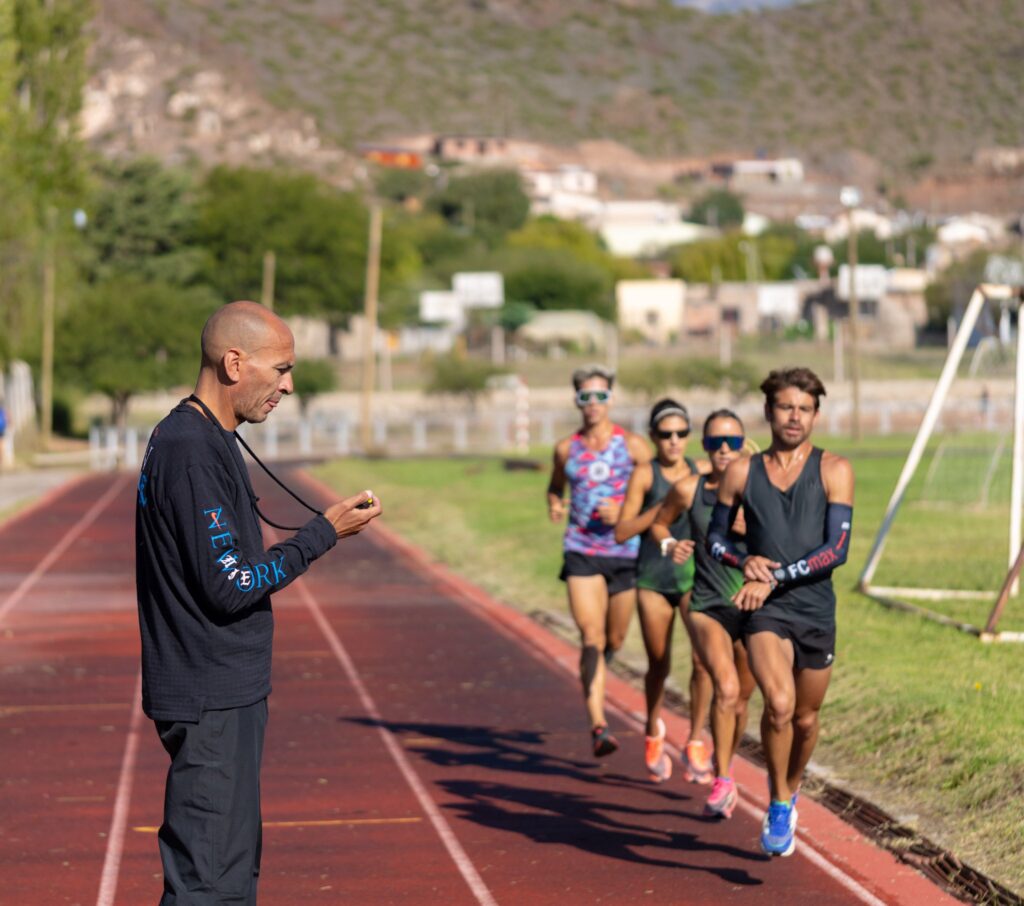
{"x": 952, "y": 528}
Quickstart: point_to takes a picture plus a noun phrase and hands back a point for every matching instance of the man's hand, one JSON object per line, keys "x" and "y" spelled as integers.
{"x": 752, "y": 595}
{"x": 609, "y": 511}
{"x": 759, "y": 569}
{"x": 348, "y": 518}
{"x": 556, "y": 509}
{"x": 682, "y": 551}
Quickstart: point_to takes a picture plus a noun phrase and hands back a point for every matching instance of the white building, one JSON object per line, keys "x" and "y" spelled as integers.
{"x": 656, "y": 309}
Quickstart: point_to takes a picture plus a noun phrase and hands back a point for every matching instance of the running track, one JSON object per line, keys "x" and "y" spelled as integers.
{"x": 426, "y": 745}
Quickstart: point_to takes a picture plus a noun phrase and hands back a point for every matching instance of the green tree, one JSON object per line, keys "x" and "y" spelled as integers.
{"x": 550, "y": 280}
{"x": 318, "y": 234}
{"x": 129, "y": 336}
{"x": 458, "y": 375}
{"x": 718, "y": 208}
{"x": 142, "y": 221}
{"x": 489, "y": 203}
{"x": 574, "y": 239}
{"x": 311, "y": 377}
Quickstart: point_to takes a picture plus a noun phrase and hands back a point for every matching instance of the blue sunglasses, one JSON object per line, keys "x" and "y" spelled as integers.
{"x": 715, "y": 441}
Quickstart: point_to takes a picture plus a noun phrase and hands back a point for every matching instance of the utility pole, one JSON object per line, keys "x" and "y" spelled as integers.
{"x": 49, "y": 306}
{"x": 850, "y": 198}
{"x": 370, "y": 330}
{"x": 269, "y": 269}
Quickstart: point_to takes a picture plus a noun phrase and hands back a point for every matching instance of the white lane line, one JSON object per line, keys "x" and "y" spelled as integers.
{"x": 833, "y": 871}
{"x": 119, "y": 819}
{"x": 444, "y": 831}
{"x": 58, "y": 550}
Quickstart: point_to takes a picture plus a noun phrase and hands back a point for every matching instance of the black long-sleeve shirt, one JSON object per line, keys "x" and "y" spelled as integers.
{"x": 203, "y": 576}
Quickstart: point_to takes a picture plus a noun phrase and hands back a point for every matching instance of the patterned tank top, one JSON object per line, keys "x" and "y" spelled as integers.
{"x": 595, "y": 476}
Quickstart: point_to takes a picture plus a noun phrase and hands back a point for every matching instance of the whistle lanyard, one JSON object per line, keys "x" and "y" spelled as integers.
{"x": 287, "y": 528}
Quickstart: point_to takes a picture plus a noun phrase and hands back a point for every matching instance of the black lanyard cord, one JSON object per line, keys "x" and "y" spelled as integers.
{"x": 287, "y": 528}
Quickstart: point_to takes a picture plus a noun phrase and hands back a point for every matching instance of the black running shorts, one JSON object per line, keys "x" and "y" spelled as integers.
{"x": 732, "y": 619}
{"x": 814, "y": 645}
{"x": 619, "y": 572}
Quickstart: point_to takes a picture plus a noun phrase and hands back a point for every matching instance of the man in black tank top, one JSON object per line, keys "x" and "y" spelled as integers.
{"x": 798, "y": 507}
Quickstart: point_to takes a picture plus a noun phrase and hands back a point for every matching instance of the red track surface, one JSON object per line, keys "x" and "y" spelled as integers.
{"x": 426, "y": 745}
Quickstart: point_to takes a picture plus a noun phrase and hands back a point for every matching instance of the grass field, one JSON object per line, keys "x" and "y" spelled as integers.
{"x": 923, "y": 720}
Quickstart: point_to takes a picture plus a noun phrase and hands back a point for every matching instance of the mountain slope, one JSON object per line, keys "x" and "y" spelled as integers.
{"x": 908, "y": 82}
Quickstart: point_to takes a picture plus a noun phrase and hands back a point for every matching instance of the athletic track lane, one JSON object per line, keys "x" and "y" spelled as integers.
{"x": 426, "y": 745}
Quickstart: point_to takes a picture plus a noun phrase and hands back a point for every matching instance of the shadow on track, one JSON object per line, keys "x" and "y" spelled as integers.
{"x": 549, "y": 815}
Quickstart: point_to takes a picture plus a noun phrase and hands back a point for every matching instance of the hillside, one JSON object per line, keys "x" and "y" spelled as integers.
{"x": 910, "y": 83}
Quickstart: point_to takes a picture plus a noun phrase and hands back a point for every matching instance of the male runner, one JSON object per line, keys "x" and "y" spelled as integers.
{"x": 204, "y": 580}
{"x": 665, "y": 587}
{"x": 715, "y": 622}
{"x": 798, "y": 508}
{"x": 600, "y": 573}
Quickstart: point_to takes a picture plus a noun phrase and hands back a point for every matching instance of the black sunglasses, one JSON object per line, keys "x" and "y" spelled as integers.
{"x": 715, "y": 441}
{"x": 666, "y": 435}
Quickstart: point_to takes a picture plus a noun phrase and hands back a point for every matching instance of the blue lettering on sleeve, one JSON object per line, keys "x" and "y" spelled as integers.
{"x": 143, "y": 479}
{"x": 262, "y": 575}
{"x": 222, "y": 540}
{"x": 279, "y": 573}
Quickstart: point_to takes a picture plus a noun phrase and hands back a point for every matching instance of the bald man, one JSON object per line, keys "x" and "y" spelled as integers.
{"x": 203, "y": 582}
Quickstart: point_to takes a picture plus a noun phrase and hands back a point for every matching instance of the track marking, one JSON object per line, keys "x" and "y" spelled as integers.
{"x": 637, "y": 722}
{"x": 444, "y": 831}
{"x": 325, "y": 822}
{"x": 6, "y": 710}
{"x": 57, "y": 551}
{"x": 119, "y": 819}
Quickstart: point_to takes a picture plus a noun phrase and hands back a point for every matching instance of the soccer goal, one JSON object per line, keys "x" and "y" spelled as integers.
{"x": 951, "y": 533}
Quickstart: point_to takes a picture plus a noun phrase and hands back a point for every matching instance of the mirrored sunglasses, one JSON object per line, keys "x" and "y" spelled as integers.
{"x": 592, "y": 396}
{"x": 667, "y": 435}
{"x": 715, "y": 441}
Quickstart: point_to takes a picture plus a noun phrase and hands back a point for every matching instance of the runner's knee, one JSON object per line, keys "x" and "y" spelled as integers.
{"x": 779, "y": 707}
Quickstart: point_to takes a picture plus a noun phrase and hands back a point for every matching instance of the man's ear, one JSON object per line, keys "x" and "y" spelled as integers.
{"x": 232, "y": 365}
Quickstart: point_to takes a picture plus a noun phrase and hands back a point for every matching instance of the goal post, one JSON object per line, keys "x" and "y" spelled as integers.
{"x": 890, "y": 595}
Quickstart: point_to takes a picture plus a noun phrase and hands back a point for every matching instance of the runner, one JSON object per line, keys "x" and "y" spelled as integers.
{"x": 600, "y": 573}
{"x": 798, "y": 509}
{"x": 715, "y": 623}
{"x": 665, "y": 587}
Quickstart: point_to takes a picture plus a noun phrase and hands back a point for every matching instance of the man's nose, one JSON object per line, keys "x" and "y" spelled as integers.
{"x": 287, "y": 385}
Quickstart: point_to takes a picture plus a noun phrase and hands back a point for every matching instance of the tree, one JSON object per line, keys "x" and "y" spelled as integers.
{"x": 318, "y": 234}
{"x": 313, "y": 376}
{"x": 460, "y": 376}
{"x": 142, "y": 221}
{"x": 490, "y": 203}
{"x": 552, "y": 281}
{"x": 129, "y": 336}
{"x": 718, "y": 208}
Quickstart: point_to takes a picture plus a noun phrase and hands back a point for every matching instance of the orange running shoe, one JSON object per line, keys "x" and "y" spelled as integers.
{"x": 658, "y": 762}
{"x": 697, "y": 763}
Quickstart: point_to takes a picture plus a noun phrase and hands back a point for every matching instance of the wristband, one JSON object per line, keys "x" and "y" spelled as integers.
{"x": 665, "y": 544}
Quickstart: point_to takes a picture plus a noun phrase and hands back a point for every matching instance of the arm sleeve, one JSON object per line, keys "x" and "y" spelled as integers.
{"x": 824, "y": 559}
{"x": 222, "y": 550}
{"x": 720, "y": 546}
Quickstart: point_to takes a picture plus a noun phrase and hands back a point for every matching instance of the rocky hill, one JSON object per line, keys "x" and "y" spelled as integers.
{"x": 914, "y": 84}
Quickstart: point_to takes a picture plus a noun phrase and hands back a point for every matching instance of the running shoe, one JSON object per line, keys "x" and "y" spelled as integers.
{"x": 604, "y": 742}
{"x": 696, "y": 763}
{"x": 778, "y": 831}
{"x": 722, "y": 800}
{"x": 658, "y": 762}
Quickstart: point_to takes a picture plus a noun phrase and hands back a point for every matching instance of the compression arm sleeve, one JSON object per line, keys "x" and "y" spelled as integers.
{"x": 719, "y": 545}
{"x": 824, "y": 559}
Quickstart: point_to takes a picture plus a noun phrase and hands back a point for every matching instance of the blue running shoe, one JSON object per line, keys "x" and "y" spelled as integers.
{"x": 778, "y": 831}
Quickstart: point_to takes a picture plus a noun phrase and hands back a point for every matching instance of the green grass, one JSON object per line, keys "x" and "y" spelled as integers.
{"x": 924, "y": 720}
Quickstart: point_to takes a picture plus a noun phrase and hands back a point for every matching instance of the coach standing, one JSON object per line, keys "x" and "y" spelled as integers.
{"x": 203, "y": 581}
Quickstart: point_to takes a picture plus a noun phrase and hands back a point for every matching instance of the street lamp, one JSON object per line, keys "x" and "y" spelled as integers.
{"x": 849, "y": 197}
